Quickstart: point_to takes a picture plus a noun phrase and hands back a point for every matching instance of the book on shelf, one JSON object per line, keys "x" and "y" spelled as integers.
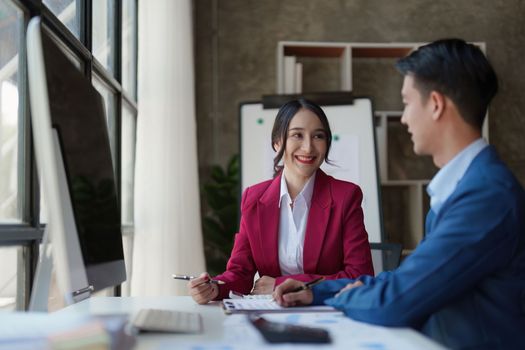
{"x": 293, "y": 75}
{"x": 298, "y": 78}
{"x": 289, "y": 74}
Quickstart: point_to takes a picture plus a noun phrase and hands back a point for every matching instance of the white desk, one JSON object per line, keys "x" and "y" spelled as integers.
{"x": 234, "y": 332}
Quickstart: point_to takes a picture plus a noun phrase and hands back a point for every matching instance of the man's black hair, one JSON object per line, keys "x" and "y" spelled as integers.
{"x": 456, "y": 69}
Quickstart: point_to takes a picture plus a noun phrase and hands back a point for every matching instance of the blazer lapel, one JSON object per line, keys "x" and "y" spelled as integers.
{"x": 268, "y": 214}
{"x": 317, "y": 222}
{"x": 429, "y": 221}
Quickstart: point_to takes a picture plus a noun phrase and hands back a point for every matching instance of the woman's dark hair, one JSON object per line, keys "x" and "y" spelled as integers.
{"x": 282, "y": 124}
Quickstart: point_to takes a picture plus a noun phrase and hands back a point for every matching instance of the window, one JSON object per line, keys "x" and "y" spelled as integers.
{"x": 129, "y": 47}
{"x": 90, "y": 40}
{"x": 11, "y": 164}
{"x": 104, "y": 33}
{"x": 8, "y": 278}
{"x": 127, "y": 164}
{"x": 67, "y": 12}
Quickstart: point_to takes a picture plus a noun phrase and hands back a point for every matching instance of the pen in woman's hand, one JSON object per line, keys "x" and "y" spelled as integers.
{"x": 187, "y": 278}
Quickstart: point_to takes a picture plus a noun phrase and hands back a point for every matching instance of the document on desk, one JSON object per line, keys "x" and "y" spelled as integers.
{"x": 232, "y": 306}
{"x": 235, "y": 295}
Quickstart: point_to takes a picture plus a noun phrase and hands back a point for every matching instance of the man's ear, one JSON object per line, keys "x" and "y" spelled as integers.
{"x": 438, "y": 103}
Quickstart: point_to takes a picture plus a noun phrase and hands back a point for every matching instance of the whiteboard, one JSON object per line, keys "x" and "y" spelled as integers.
{"x": 353, "y": 152}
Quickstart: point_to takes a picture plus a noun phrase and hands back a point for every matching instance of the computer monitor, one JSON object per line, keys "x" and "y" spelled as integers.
{"x": 74, "y": 162}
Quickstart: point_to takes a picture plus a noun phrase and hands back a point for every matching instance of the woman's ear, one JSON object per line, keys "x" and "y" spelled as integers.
{"x": 277, "y": 146}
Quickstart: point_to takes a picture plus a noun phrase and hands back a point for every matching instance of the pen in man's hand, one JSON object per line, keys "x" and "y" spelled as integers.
{"x": 187, "y": 278}
{"x": 307, "y": 285}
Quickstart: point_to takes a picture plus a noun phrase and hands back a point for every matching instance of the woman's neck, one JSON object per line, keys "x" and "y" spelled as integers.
{"x": 295, "y": 184}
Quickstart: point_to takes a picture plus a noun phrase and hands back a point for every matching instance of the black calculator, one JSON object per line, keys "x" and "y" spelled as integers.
{"x": 278, "y": 332}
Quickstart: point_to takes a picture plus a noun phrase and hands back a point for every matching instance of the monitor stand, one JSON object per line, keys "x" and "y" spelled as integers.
{"x": 66, "y": 253}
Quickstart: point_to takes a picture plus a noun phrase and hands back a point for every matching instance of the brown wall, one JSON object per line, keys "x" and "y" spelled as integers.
{"x": 236, "y": 44}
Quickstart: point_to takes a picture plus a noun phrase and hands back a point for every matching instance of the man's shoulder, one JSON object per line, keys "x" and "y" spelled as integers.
{"x": 491, "y": 184}
{"x": 490, "y": 172}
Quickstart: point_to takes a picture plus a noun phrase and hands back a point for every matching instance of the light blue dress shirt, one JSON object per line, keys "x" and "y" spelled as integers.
{"x": 446, "y": 180}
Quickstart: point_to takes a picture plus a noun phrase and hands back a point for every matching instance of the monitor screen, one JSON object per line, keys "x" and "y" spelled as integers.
{"x": 78, "y": 117}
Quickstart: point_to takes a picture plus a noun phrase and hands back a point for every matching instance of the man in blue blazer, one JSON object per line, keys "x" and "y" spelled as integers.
{"x": 464, "y": 285}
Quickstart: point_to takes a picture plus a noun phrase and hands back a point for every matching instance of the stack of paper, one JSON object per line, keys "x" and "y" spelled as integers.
{"x": 90, "y": 336}
{"x": 231, "y": 306}
{"x": 235, "y": 295}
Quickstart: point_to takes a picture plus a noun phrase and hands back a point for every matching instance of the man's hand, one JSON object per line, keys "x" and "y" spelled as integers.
{"x": 349, "y": 286}
{"x": 264, "y": 285}
{"x": 201, "y": 290}
{"x": 284, "y": 296}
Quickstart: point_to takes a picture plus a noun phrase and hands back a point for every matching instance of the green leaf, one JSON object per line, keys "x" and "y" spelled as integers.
{"x": 210, "y": 225}
{"x": 233, "y": 168}
{"x": 217, "y": 174}
{"x": 220, "y": 223}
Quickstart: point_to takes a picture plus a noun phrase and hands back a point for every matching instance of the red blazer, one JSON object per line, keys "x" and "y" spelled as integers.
{"x": 335, "y": 244}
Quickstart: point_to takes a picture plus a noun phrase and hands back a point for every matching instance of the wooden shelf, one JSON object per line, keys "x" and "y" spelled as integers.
{"x": 314, "y": 51}
{"x": 341, "y": 51}
{"x": 405, "y": 201}
{"x": 381, "y": 52}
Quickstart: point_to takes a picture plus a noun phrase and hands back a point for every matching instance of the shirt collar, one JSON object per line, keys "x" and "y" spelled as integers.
{"x": 306, "y": 192}
{"x": 446, "y": 180}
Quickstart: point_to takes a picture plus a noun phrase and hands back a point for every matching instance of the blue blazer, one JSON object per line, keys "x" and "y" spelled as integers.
{"x": 464, "y": 285}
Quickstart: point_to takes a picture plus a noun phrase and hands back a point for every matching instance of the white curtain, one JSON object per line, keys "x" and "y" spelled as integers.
{"x": 168, "y": 237}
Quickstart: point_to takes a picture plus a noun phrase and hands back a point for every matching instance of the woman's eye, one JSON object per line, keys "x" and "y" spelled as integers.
{"x": 296, "y": 136}
{"x": 319, "y": 136}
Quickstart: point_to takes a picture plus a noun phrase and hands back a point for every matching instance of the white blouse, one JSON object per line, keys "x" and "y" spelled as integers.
{"x": 292, "y": 226}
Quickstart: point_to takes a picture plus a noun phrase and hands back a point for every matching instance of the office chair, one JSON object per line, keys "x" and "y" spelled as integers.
{"x": 385, "y": 256}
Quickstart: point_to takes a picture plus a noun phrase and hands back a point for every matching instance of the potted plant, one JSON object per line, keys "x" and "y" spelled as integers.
{"x": 220, "y": 221}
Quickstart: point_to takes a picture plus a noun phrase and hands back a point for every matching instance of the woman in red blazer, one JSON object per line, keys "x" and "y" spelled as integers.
{"x": 302, "y": 224}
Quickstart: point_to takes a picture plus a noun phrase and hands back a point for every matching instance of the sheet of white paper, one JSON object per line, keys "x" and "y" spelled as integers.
{"x": 269, "y": 154}
{"x": 234, "y": 295}
{"x": 344, "y": 153}
{"x": 234, "y": 305}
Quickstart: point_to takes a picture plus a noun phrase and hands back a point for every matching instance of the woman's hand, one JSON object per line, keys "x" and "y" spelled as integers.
{"x": 201, "y": 290}
{"x": 264, "y": 285}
